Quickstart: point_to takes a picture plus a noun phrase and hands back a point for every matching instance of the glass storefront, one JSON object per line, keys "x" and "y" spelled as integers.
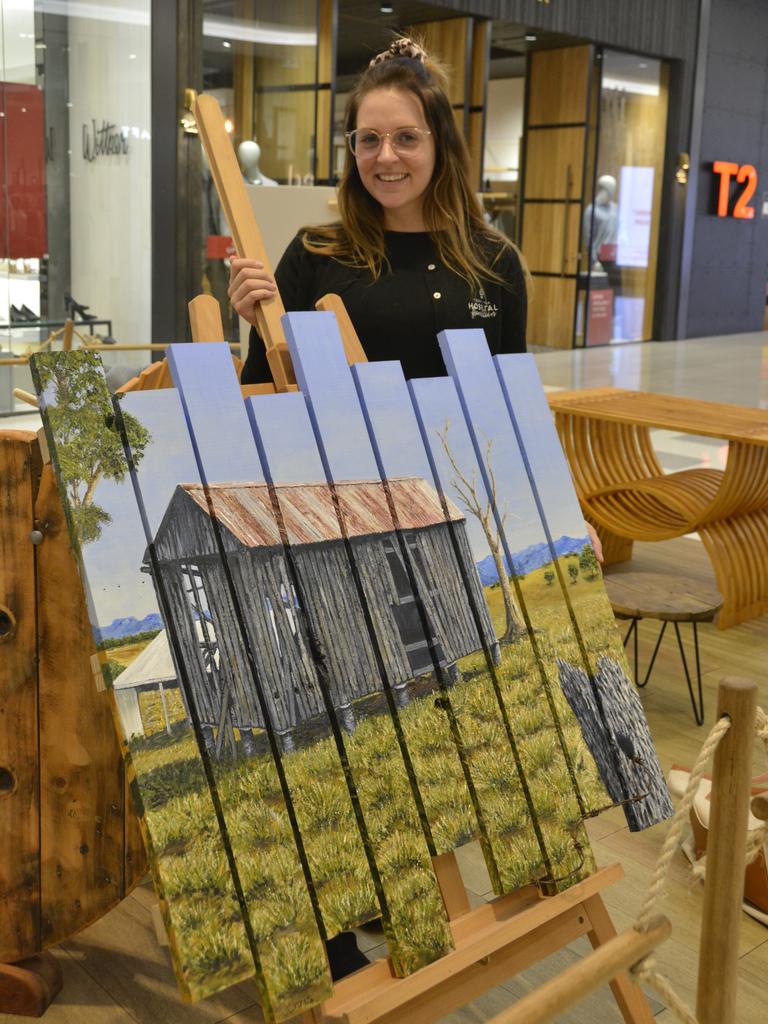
{"x": 75, "y": 141}
{"x": 622, "y": 210}
{"x": 77, "y": 163}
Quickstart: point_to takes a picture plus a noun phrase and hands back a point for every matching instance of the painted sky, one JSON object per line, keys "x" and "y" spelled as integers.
{"x": 286, "y": 440}
{"x": 323, "y": 376}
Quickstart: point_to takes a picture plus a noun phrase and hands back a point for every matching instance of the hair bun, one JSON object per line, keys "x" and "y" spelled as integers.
{"x": 402, "y": 47}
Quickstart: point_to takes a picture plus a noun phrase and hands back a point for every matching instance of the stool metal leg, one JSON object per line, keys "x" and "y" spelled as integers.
{"x": 698, "y": 708}
{"x": 653, "y": 656}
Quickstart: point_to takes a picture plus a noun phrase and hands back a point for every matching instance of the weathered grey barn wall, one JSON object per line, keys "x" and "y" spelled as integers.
{"x": 728, "y": 264}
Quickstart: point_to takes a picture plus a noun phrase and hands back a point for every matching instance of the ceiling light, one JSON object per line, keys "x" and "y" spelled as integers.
{"x": 228, "y": 126}
{"x": 387, "y": 9}
{"x": 226, "y": 44}
{"x": 643, "y": 64}
{"x": 530, "y": 37}
{"x": 131, "y": 56}
{"x": 258, "y": 32}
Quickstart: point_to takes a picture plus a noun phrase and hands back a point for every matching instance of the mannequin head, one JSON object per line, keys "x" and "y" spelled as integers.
{"x": 606, "y": 189}
{"x": 249, "y": 154}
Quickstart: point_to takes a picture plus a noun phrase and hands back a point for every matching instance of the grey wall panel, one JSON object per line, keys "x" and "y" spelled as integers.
{"x": 666, "y": 28}
{"x": 729, "y": 259}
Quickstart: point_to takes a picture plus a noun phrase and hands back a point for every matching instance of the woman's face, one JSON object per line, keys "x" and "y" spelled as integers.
{"x": 396, "y": 180}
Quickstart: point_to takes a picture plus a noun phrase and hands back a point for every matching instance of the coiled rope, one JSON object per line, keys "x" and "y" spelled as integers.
{"x": 647, "y": 970}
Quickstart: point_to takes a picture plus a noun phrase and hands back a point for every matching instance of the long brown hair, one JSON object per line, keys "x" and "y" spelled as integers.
{"x": 452, "y": 214}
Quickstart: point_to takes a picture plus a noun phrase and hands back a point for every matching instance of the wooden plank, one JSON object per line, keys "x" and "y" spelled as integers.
{"x": 340, "y": 427}
{"x": 728, "y": 823}
{"x": 558, "y": 85}
{"x": 247, "y": 782}
{"x": 245, "y": 231}
{"x": 19, "y": 750}
{"x": 108, "y": 538}
{"x": 82, "y": 802}
{"x": 593, "y": 628}
{"x": 666, "y": 412}
{"x": 416, "y": 928}
{"x": 513, "y": 843}
{"x": 523, "y": 680}
{"x": 205, "y": 319}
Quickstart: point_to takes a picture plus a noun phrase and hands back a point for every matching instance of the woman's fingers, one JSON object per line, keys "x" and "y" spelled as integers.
{"x": 249, "y": 284}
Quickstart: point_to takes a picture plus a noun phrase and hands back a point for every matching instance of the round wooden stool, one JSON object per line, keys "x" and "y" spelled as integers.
{"x": 668, "y": 598}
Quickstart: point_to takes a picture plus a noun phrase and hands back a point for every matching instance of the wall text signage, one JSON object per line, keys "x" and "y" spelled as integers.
{"x": 744, "y": 174}
{"x": 106, "y": 140}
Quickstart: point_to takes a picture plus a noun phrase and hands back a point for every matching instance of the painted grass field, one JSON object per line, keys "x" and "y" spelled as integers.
{"x": 345, "y": 893}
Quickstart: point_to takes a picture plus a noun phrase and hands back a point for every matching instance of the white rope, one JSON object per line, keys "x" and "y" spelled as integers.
{"x": 676, "y": 828}
{"x": 646, "y": 970}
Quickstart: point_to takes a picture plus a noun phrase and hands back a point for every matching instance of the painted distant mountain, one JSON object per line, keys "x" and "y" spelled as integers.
{"x": 530, "y": 558}
{"x": 129, "y": 626}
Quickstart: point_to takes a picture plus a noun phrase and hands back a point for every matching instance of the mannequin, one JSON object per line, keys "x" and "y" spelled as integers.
{"x": 606, "y": 224}
{"x": 249, "y": 154}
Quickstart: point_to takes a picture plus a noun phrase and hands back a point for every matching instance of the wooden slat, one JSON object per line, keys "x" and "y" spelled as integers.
{"x": 558, "y": 86}
{"x": 81, "y": 802}
{"x": 19, "y": 759}
{"x": 353, "y": 348}
{"x": 245, "y": 231}
{"x": 205, "y": 319}
{"x": 554, "y": 159}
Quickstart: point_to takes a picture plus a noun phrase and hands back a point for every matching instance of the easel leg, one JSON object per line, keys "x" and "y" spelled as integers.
{"x": 30, "y": 986}
{"x": 629, "y": 997}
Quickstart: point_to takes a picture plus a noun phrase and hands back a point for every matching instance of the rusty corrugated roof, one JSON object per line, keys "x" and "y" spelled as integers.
{"x": 309, "y": 514}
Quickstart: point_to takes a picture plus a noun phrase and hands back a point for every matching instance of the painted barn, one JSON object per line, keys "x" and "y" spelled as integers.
{"x": 199, "y": 595}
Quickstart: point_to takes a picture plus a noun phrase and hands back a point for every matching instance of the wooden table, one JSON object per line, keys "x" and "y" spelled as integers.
{"x": 605, "y": 433}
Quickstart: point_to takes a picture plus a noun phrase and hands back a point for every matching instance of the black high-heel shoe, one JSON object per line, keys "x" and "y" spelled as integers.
{"x": 17, "y": 317}
{"x": 74, "y": 307}
{"x": 27, "y": 313}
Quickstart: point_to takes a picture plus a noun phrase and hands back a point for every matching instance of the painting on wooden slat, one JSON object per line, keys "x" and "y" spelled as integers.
{"x": 517, "y": 799}
{"x": 309, "y": 686}
{"x": 545, "y": 545}
{"x": 183, "y": 562}
{"x": 600, "y": 692}
{"x": 419, "y": 644}
{"x": 209, "y": 948}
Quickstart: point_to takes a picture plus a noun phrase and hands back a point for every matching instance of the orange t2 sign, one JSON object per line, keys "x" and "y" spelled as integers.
{"x": 746, "y": 175}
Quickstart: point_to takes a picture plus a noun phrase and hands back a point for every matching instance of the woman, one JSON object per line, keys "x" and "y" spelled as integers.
{"x": 412, "y": 254}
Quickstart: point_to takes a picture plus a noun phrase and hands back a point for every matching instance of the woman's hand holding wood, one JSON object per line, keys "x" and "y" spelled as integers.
{"x": 249, "y": 284}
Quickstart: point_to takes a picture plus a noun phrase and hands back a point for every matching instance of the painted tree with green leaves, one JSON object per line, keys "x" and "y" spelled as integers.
{"x": 80, "y": 417}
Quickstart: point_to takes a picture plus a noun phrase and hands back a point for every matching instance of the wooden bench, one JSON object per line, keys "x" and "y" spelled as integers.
{"x": 624, "y": 491}
{"x": 667, "y": 598}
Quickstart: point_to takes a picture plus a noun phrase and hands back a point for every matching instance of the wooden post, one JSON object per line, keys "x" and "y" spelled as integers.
{"x": 724, "y": 886}
{"x": 205, "y": 319}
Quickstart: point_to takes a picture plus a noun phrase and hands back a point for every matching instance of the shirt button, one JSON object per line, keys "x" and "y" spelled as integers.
{"x": 431, "y": 266}
{"x": 436, "y": 295}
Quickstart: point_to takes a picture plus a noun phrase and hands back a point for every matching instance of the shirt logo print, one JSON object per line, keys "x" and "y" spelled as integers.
{"x": 482, "y": 307}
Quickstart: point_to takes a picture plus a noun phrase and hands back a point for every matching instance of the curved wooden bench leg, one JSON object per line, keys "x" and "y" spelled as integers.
{"x": 29, "y": 986}
{"x": 738, "y": 550}
{"x": 615, "y": 548}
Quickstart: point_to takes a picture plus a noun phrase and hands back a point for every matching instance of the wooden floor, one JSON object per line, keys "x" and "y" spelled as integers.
{"x": 115, "y": 972}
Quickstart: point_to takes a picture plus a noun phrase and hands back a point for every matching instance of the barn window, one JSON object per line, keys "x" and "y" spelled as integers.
{"x": 201, "y": 611}
{"x": 406, "y": 613}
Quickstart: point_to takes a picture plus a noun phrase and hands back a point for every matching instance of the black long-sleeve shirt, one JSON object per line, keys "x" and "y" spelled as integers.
{"x": 399, "y": 315}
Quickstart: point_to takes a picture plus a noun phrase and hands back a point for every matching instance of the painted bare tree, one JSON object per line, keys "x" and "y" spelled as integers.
{"x": 480, "y": 504}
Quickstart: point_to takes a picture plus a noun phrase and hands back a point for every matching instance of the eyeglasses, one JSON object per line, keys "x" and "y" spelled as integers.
{"x": 366, "y": 142}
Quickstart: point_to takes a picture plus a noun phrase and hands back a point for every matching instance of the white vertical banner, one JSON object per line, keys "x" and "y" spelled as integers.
{"x": 635, "y": 213}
